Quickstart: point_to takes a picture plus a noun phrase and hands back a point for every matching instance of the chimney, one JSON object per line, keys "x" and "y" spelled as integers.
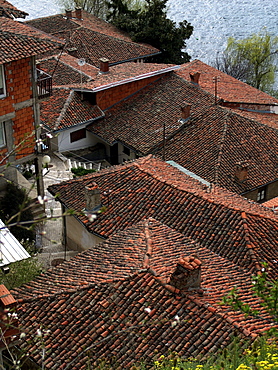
{"x": 72, "y": 51}
{"x": 241, "y": 172}
{"x": 194, "y": 77}
{"x": 78, "y": 13}
{"x": 104, "y": 65}
{"x": 187, "y": 275}
{"x": 92, "y": 198}
{"x": 68, "y": 14}
{"x": 185, "y": 111}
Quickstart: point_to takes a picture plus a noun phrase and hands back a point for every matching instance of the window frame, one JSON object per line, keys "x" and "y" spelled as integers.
{"x": 78, "y": 135}
{"x": 2, "y": 129}
{"x": 261, "y": 195}
{"x": 2, "y": 74}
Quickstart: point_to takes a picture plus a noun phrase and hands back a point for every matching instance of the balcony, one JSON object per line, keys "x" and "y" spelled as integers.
{"x": 44, "y": 84}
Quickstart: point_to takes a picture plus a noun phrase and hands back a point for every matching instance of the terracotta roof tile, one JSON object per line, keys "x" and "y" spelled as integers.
{"x": 66, "y": 108}
{"x": 131, "y": 318}
{"x": 93, "y": 39}
{"x": 66, "y": 72}
{"x": 138, "y": 121}
{"x": 220, "y": 138}
{"x": 150, "y": 188}
{"x": 228, "y": 88}
{"x": 31, "y": 41}
{"x": 10, "y": 11}
{"x": 272, "y": 203}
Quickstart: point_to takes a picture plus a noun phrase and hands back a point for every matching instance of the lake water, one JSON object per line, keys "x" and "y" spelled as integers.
{"x": 213, "y": 20}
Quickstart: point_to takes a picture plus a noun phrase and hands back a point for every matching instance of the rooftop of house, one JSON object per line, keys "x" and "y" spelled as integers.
{"x": 224, "y": 222}
{"x": 10, "y": 11}
{"x": 66, "y": 106}
{"x": 132, "y": 296}
{"x": 220, "y": 138}
{"x": 272, "y": 203}
{"x": 32, "y": 42}
{"x": 67, "y": 73}
{"x": 228, "y": 88}
{"x": 92, "y": 38}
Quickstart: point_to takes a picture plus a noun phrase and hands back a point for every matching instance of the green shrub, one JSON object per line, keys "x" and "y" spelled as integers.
{"x": 80, "y": 171}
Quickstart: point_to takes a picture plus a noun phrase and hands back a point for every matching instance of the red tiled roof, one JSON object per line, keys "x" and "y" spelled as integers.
{"x": 210, "y": 143}
{"x": 93, "y": 39}
{"x": 268, "y": 119}
{"x": 112, "y": 320}
{"x": 10, "y": 11}
{"x": 220, "y": 139}
{"x": 65, "y": 108}
{"x": 120, "y": 290}
{"x": 228, "y": 88}
{"x": 18, "y": 41}
{"x": 66, "y": 72}
{"x": 272, "y": 203}
{"x": 138, "y": 121}
{"x": 227, "y": 224}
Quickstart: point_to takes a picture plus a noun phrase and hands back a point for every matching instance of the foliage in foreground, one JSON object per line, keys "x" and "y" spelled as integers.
{"x": 262, "y": 355}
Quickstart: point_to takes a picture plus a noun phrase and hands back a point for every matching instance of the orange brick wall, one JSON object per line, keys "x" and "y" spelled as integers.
{"x": 18, "y": 77}
{"x": 108, "y": 97}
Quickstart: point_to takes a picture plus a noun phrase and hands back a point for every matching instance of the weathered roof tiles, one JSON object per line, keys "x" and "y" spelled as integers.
{"x": 149, "y": 187}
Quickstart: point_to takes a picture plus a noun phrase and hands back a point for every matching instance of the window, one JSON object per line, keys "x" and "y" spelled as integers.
{"x": 78, "y": 135}
{"x": 2, "y": 82}
{"x": 2, "y": 135}
{"x": 261, "y": 194}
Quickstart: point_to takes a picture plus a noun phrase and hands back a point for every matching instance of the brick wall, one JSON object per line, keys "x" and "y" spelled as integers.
{"x": 107, "y": 98}
{"x": 18, "y": 77}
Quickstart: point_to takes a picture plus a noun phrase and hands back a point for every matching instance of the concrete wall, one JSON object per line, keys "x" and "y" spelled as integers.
{"x": 64, "y": 143}
{"x": 78, "y": 238}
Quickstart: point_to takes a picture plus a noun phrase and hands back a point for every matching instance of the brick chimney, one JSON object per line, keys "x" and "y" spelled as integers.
{"x": 104, "y": 65}
{"x": 194, "y": 77}
{"x": 78, "y": 13}
{"x": 92, "y": 198}
{"x": 187, "y": 275}
{"x": 185, "y": 111}
{"x": 68, "y": 14}
{"x": 241, "y": 171}
{"x": 8, "y": 318}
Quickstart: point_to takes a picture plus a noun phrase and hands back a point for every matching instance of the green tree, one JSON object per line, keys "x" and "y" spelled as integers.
{"x": 99, "y": 8}
{"x": 149, "y": 24}
{"x": 251, "y": 60}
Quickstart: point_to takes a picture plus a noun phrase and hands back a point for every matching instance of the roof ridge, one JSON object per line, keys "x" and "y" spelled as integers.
{"x": 148, "y": 253}
{"x": 59, "y": 60}
{"x": 224, "y": 315}
{"x": 64, "y": 109}
{"x": 220, "y": 152}
{"x": 248, "y": 243}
